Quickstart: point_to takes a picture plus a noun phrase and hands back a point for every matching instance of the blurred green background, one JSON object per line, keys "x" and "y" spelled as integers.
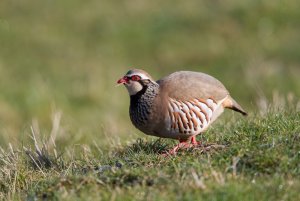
{"x": 67, "y": 55}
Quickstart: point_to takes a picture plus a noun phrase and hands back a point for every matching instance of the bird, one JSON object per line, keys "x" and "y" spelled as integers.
{"x": 178, "y": 106}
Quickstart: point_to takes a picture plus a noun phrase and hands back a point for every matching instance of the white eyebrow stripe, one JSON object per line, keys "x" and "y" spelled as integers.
{"x": 143, "y": 76}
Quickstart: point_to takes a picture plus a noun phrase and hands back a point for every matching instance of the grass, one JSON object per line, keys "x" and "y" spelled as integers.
{"x": 259, "y": 160}
{"x": 65, "y": 133}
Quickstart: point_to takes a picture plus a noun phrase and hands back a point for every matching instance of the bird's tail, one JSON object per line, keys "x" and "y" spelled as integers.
{"x": 230, "y": 103}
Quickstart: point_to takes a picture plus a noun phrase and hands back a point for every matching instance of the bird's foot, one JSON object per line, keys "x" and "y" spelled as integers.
{"x": 185, "y": 144}
{"x": 181, "y": 145}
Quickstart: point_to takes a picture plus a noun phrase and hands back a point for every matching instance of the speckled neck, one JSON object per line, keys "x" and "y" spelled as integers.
{"x": 141, "y": 104}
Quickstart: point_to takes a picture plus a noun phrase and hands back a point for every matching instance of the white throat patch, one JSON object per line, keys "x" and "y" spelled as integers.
{"x": 133, "y": 87}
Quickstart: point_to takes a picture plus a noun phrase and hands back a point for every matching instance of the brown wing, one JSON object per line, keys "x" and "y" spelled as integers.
{"x": 186, "y": 85}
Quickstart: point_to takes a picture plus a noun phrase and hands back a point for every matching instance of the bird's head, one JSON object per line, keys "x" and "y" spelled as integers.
{"x": 135, "y": 80}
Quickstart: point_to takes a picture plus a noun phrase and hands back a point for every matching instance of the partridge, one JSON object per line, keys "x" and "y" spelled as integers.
{"x": 178, "y": 106}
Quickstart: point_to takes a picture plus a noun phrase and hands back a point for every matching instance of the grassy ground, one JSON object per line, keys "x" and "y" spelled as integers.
{"x": 258, "y": 160}
{"x": 59, "y": 61}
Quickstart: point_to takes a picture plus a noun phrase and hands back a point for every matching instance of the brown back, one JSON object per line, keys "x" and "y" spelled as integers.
{"x": 185, "y": 85}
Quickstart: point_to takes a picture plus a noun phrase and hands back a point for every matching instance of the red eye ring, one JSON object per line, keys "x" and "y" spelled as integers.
{"x": 135, "y": 78}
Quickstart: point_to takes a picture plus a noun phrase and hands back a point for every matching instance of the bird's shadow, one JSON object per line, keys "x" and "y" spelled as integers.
{"x": 162, "y": 146}
{"x": 157, "y": 146}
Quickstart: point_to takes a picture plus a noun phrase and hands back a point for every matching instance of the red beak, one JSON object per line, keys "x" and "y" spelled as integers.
{"x": 123, "y": 80}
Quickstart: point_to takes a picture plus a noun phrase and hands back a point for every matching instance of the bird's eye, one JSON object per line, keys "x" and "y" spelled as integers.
{"x": 135, "y": 78}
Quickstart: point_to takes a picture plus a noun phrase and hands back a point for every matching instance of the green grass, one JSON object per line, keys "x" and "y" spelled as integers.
{"x": 259, "y": 161}
{"x": 59, "y": 62}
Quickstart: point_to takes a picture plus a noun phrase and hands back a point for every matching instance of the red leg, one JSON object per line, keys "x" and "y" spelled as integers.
{"x": 194, "y": 141}
{"x": 182, "y": 144}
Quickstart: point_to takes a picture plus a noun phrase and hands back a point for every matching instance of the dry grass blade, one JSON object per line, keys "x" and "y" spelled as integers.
{"x": 198, "y": 181}
{"x": 55, "y": 129}
{"x": 41, "y": 158}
